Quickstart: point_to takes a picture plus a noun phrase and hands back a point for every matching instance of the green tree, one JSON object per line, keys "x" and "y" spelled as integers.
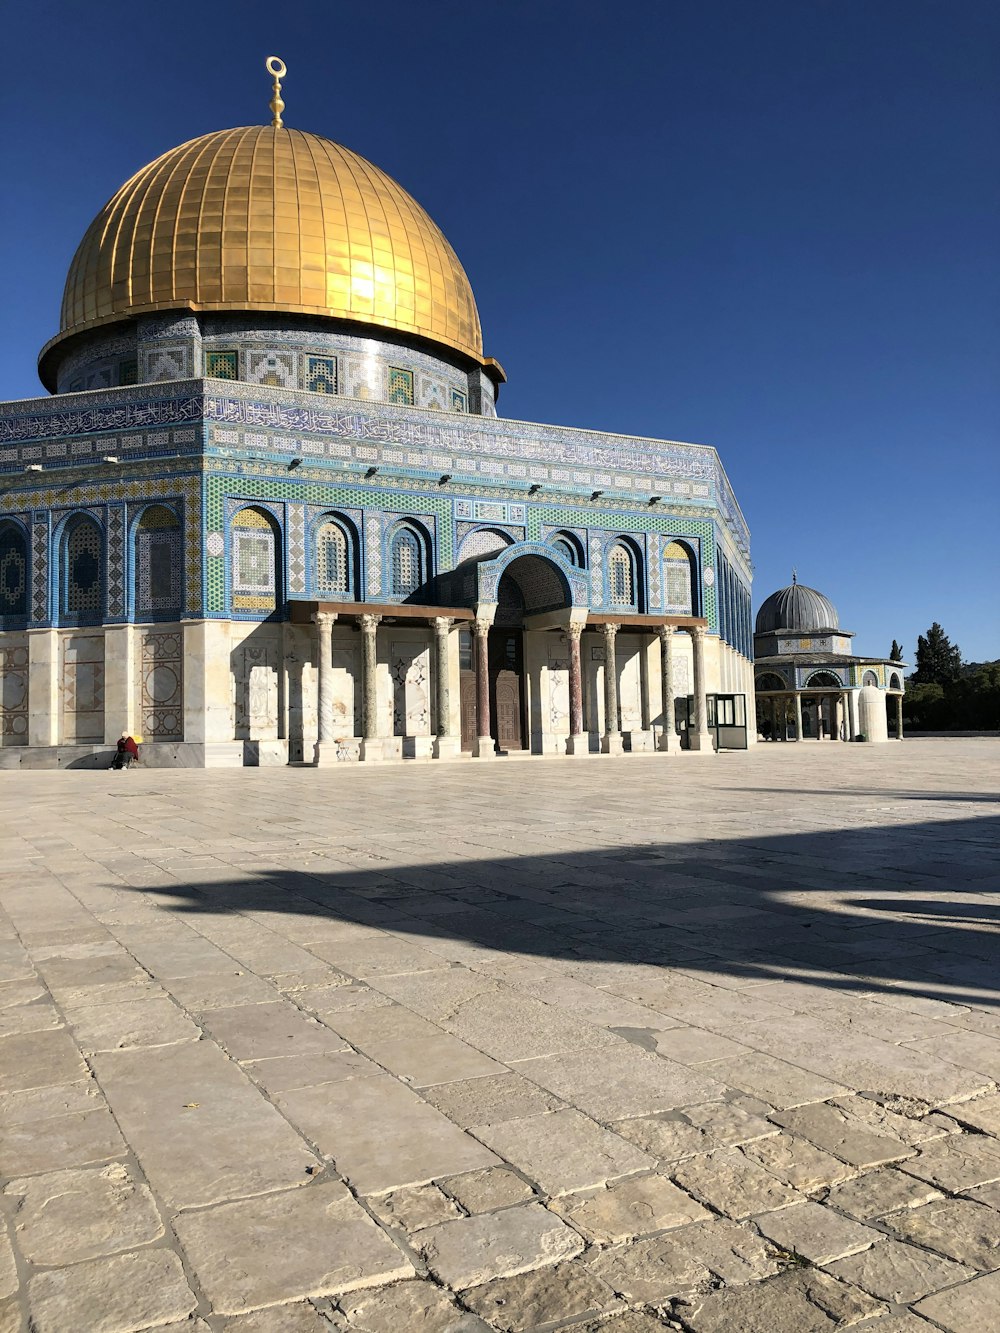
{"x": 896, "y": 652}
{"x": 939, "y": 661}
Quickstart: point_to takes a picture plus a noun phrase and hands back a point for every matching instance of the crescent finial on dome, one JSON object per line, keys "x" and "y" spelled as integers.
{"x": 277, "y": 68}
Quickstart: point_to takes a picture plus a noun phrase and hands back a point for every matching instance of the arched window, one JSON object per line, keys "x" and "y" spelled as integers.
{"x": 254, "y": 561}
{"x": 823, "y": 680}
{"x": 334, "y": 559}
{"x": 82, "y": 572}
{"x": 406, "y": 563}
{"x": 770, "y": 680}
{"x": 894, "y": 682}
{"x": 13, "y": 571}
{"x": 869, "y": 678}
{"x": 568, "y": 547}
{"x": 158, "y": 563}
{"x": 678, "y": 571}
{"x": 621, "y": 576}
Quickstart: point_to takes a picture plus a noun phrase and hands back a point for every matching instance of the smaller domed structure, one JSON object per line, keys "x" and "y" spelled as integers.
{"x": 797, "y": 608}
{"x": 810, "y": 684}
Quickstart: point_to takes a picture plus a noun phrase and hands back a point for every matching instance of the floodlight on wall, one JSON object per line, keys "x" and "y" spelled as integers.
{"x": 444, "y": 478}
{"x": 110, "y": 458}
{"x": 296, "y": 462}
{"x": 535, "y": 488}
{"x": 655, "y": 499}
{"x": 371, "y": 472}
{"x": 33, "y": 467}
{"x": 597, "y": 495}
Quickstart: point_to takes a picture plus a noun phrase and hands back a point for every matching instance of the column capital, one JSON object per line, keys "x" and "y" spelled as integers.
{"x": 574, "y": 631}
{"x": 442, "y": 624}
{"x": 324, "y": 619}
{"x": 482, "y": 626}
{"x": 696, "y": 631}
{"x": 609, "y": 629}
{"x": 369, "y": 622}
{"x": 665, "y": 631}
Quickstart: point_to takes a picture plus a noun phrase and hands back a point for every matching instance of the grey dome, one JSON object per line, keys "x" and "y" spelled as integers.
{"x": 796, "y": 608}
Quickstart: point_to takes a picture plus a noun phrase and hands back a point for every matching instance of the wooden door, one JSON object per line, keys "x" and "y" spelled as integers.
{"x": 506, "y": 664}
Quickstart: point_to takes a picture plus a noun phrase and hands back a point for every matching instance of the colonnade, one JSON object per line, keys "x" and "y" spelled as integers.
{"x": 844, "y": 719}
{"x": 447, "y": 743}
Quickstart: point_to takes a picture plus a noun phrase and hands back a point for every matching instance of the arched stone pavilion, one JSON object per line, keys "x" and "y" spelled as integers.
{"x": 809, "y": 685}
{"x": 269, "y": 512}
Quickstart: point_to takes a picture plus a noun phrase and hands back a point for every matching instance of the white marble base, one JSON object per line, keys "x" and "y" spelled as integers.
{"x": 701, "y": 742}
{"x": 576, "y": 746}
{"x": 612, "y": 743}
{"x": 447, "y": 747}
{"x": 641, "y": 742}
{"x": 485, "y": 748}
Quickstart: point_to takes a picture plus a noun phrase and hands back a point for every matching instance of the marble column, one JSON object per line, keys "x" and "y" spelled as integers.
{"x": 852, "y": 716}
{"x": 899, "y": 717}
{"x": 325, "y": 751}
{"x": 798, "y": 716}
{"x": 485, "y": 747}
{"x": 700, "y": 736}
{"x": 611, "y": 742}
{"x": 579, "y": 741}
{"x": 669, "y": 741}
{"x": 371, "y": 746}
{"x": 447, "y": 745}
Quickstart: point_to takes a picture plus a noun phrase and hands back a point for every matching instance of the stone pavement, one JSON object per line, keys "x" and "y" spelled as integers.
{"x": 612, "y": 1044}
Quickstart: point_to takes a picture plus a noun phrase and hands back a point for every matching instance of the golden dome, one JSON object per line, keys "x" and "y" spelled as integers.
{"x": 270, "y": 219}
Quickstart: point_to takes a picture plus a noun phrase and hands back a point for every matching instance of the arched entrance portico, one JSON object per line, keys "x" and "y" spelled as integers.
{"x": 531, "y": 592}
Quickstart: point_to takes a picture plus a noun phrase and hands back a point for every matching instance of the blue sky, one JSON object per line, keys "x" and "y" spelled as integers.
{"x": 766, "y": 226}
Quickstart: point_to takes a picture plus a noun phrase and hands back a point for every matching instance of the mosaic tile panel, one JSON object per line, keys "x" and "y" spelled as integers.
{"x": 400, "y": 384}
{"x": 222, "y": 365}
{"x": 321, "y": 374}
{"x": 654, "y": 571}
{"x": 115, "y": 532}
{"x": 40, "y": 566}
{"x": 83, "y": 573}
{"x": 159, "y": 566}
{"x": 295, "y": 553}
{"x": 277, "y": 369}
{"x": 373, "y": 555}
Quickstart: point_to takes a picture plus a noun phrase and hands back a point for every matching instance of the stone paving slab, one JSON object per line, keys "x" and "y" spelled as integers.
{"x": 661, "y": 1042}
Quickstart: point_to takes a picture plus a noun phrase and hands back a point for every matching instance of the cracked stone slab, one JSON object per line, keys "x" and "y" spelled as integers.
{"x": 798, "y": 1301}
{"x": 491, "y": 1100}
{"x": 118, "y": 1026}
{"x": 817, "y": 1233}
{"x": 963, "y": 1309}
{"x": 60, "y": 1141}
{"x": 201, "y": 1130}
{"x": 258, "y": 1031}
{"x": 414, "y": 1207}
{"x": 880, "y": 1192}
{"x": 65, "y": 1217}
{"x": 38, "y": 1059}
{"x": 694, "y": 1130}
{"x": 958, "y": 1163}
{"x": 833, "y": 1129}
{"x": 283, "y": 1073}
{"x": 419, "y": 1306}
{"x": 122, "y": 1294}
{"x": 958, "y": 1228}
{"x": 317, "y": 1241}
{"x": 983, "y": 1113}
{"x": 570, "y": 1290}
{"x": 298, "y": 1318}
{"x": 489, "y": 1189}
{"x": 8, "y": 1267}
{"x": 774, "y": 1081}
{"x": 564, "y": 1150}
{"x": 381, "y": 1134}
{"x": 629, "y": 1208}
{"x": 734, "y": 1186}
{"x": 650, "y": 1271}
{"x": 797, "y": 1162}
{"x": 33, "y": 1104}
{"x": 473, "y": 1250}
{"x": 895, "y": 1271}
{"x": 734, "y": 1253}
{"x": 919, "y": 1125}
